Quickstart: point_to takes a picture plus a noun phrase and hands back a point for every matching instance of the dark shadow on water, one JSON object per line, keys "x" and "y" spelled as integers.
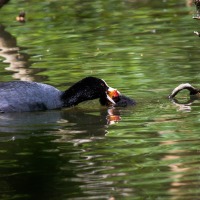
{"x": 31, "y": 167}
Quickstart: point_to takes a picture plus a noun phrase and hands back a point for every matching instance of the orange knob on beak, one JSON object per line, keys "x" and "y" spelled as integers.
{"x": 111, "y": 94}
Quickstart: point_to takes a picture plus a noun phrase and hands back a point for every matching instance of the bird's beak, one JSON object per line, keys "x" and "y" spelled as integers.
{"x": 111, "y": 94}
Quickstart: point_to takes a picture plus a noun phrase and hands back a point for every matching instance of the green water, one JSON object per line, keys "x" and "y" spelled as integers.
{"x": 142, "y": 48}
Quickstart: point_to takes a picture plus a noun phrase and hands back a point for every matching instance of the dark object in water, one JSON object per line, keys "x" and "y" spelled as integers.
{"x": 197, "y": 4}
{"x": 120, "y": 101}
{"x": 21, "y": 17}
{"x": 124, "y": 101}
{"x": 3, "y": 2}
{"x": 193, "y": 91}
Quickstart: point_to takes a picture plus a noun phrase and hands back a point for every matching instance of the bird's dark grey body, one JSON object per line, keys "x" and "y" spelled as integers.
{"x": 22, "y": 96}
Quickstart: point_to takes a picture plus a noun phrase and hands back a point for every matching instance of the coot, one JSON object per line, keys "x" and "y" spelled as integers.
{"x": 23, "y": 96}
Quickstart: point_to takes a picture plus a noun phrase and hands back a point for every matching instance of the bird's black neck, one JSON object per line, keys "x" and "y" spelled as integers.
{"x": 86, "y": 89}
{"x": 72, "y": 97}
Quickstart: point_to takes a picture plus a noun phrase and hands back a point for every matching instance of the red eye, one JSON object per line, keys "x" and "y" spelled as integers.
{"x": 102, "y": 84}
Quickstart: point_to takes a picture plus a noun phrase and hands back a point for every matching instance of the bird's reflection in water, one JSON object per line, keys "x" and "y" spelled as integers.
{"x": 113, "y": 116}
{"x": 65, "y": 123}
{"x": 182, "y": 106}
{"x": 186, "y": 104}
{"x": 87, "y": 126}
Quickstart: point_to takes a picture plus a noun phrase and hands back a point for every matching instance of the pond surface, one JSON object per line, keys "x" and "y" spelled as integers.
{"x": 142, "y": 48}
